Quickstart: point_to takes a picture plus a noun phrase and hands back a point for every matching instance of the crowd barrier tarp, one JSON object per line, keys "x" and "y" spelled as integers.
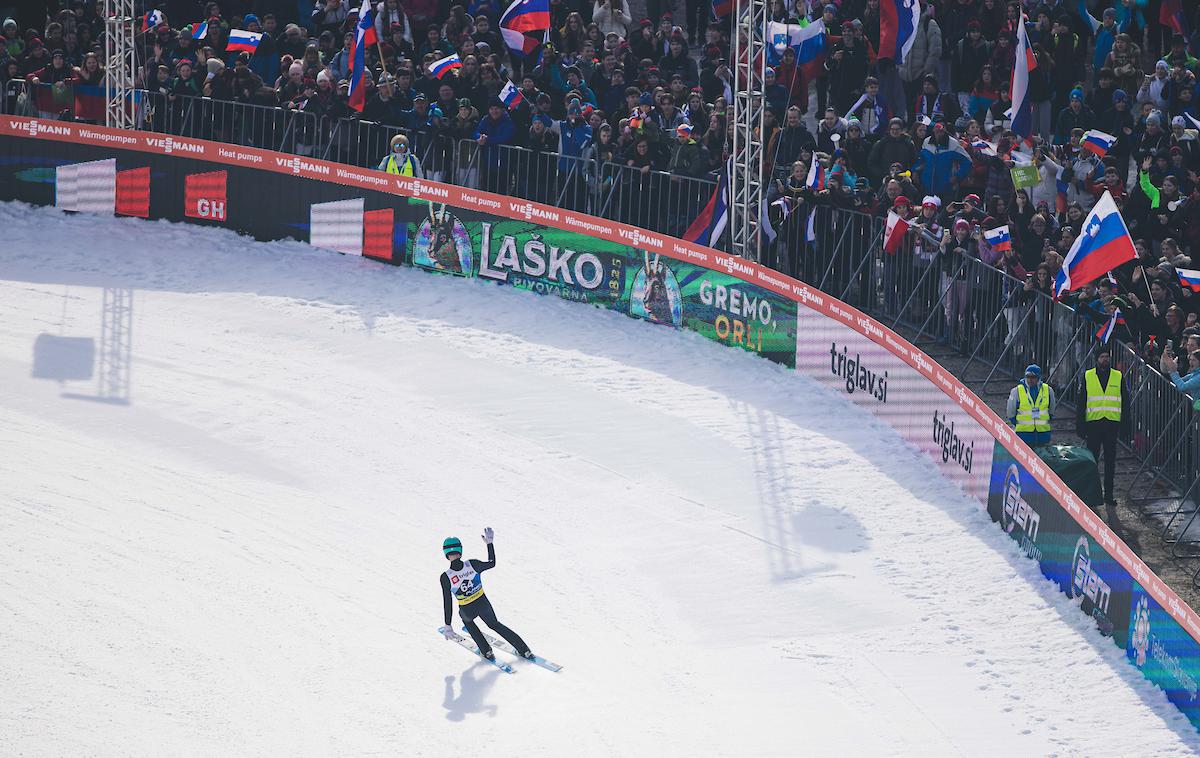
{"x": 661, "y": 279}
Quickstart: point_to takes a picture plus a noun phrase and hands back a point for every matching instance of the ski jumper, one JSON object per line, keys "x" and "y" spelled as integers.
{"x": 463, "y": 584}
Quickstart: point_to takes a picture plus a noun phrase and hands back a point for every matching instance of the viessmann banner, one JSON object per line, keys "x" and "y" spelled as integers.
{"x": 456, "y": 231}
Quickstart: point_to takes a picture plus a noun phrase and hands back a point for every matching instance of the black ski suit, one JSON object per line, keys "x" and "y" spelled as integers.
{"x": 477, "y": 606}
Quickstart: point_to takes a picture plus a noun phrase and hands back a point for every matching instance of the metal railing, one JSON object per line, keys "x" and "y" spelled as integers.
{"x": 1000, "y": 325}
{"x": 987, "y": 316}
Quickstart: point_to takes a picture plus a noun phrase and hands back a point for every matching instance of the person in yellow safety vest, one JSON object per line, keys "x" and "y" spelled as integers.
{"x": 1101, "y": 415}
{"x": 1031, "y": 406}
{"x": 401, "y": 160}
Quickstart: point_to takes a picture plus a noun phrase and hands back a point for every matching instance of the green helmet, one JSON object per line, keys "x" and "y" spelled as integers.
{"x": 452, "y": 545}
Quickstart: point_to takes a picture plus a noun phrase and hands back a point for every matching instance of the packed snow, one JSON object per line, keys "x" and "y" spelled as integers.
{"x": 235, "y": 549}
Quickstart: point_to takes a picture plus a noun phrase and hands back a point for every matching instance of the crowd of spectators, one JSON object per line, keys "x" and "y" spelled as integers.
{"x": 929, "y": 139}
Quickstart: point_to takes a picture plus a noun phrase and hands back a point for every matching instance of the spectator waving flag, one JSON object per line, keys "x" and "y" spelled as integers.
{"x": 200, "y": 32}
{"x": 893, "y": 232}
{"x": 1104, "y": 244}
{"x": 998, "y": 238}
{"x": 898, "y": 20}
{"x": 1106, "y": 331}
{"x": 438, "y": 69}
{"x": 1189, "y": 278}
{"x": 239, "y": 39}
{"x": 510, "y": 95}
{"x": 1098, "y": 142}
{"x": 1022, "y": 104}
{"x": 710, "y": 224}
{"x": 364, "y": 37}
{"x": 153, "y": 19}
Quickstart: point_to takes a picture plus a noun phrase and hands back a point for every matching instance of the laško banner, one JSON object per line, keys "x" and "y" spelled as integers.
{"x": 666, "y": 281}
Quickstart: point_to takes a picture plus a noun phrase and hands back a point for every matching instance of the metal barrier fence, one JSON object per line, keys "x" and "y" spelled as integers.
{"x": 653, "y": 200}
{"x": 1001, "y": 324}
{"x": 993, "y": 319}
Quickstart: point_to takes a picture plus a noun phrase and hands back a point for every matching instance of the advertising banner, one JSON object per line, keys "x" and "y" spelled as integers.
{"x": 1081, "y": 567}
{"x": 577, "y": 267}
{"x": 467, "y": 232}
{"x": 1164, "y": 651}
{"x": 873, "y": 377}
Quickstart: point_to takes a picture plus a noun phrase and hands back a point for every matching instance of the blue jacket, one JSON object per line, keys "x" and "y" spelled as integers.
{"x": 937, "y": 165}
{"x": 571, "y": 140}
{"x": 498, "y": 133}
{"x": 1104, "y": 44}
{"x": 1189, "y": 384}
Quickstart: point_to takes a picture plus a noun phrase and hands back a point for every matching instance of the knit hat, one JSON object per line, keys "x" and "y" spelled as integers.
{"x": 215, "y": 66}
{"x": 250, "y": 18}
{"x": 1077, "y": 94}
{"x": 1178, "y": 121}
{"x": 1119, "y": 96}
{"x": 323, "y": 76}
{"x": 901, "y": 200}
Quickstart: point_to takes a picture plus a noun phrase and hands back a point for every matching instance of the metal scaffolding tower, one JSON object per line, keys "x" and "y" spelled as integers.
{"x": 120, "y": 61}
{"x": 746, "y": 187}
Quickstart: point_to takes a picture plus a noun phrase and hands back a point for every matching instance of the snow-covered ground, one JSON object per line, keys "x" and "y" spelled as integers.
{"x": 243, "y": 560}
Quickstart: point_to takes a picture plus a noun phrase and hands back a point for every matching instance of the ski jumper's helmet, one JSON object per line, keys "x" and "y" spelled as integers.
{"x": 452, "y": 545}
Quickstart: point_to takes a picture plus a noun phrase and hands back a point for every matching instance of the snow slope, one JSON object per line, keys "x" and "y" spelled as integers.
{"x": 243, "y": 560}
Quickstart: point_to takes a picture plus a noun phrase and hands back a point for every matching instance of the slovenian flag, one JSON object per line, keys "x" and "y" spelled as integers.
{"x": 438, "y": 69}
{"x": 153, "y": 19}
{"x": 998, "y": 238}
{"x": 898, "y": 20}
{"x": 239, "y": 39}
{"x": 364, "y": 37}
{"x": 511, "y": 96}
{"x": 1189, "y": 278}
{"x": 893, "y": 233}
{"x": 1103, "y": 245}
{"x": 710, "y": 224}
{"x": 983, "y": 146}
{"x": 722, "y": 8}
{"x": 526, "y": 16}
{"x": 200, "y": 32}
{"x": 1170, "y": 14}
{"x": 1098, "y": 142}
{"x": 1022, "y": 105}
{"x": 816, "y": 175}
{"x": 1107, "y": 330}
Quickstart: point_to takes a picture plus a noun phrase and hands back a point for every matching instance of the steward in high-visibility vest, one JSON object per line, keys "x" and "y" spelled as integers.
{"x": 1031, "y": 407}
{"x": 1103, "y": 402}
{"x": 401, "y": 161}
{"x": 1102, "y": 415}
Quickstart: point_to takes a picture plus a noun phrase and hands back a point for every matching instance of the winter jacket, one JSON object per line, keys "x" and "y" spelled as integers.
{"x": 926, "y": 51}
{"x": 571, "y": 139}
{"x": 938, "y": 165}
{"x": 889, "y": 150}
{"x": 1068, "y": 120}
{"x": 613, "y": 18}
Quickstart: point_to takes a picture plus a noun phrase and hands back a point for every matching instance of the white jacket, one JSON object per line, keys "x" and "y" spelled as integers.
{"x": 611, "y": 18}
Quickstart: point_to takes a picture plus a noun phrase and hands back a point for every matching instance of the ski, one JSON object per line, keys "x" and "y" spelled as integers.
{"x": 497, "y": 642}
{"x": 465, "y": 642}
